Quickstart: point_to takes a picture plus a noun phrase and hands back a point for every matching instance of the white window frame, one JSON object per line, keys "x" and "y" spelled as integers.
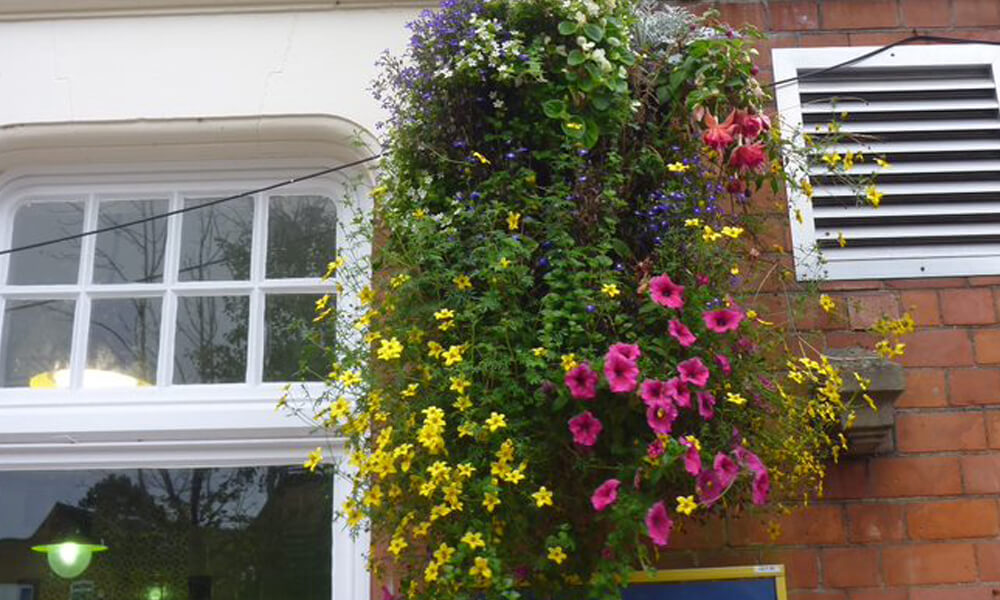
{"x": 808, "y": 264}
{"x": 348, "y": 570}
{"x": 226, "y": 407}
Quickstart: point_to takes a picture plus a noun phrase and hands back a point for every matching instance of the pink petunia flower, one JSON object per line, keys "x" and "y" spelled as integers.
{"x": 653, "y": 391}
{"x": 749, "y": 461}
{"x": 666, "y": 293}
{"x": 628, "y": 351}
{"x": 706, "y": 405}
{"x": 709, "y": 487}
{"x": 702, "y": 280}
{"x": 659, "y": 524}
{"x": 722, "y": 321}
{"x": 692, "y": 458}
{"x": 726, "y": 469}
{"x": 585, "y": 428}
{"x": 622, "y": 374}
{"x": 678, "y": 392}
{"x": 660, "y": 417}
{"x": 723, "y": 361}
{"x": 582, "y": 382}
{"x": 681, "y": 333}
{"x": 693, "y": 371}
{"x": 605, "y": 495}
{"x": 655, "y": 449}
{"x": 761, "y": 488}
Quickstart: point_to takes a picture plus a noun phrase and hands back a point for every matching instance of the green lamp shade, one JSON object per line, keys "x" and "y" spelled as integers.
{"x": 69, "y": 559}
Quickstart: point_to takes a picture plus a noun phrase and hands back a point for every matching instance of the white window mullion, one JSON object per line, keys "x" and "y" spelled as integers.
{"x": 258, "y": 266}
{"x": 168, "y": 312}
{"x": 81, "y": 320}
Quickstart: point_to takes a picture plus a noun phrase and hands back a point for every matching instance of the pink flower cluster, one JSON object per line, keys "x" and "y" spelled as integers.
{"x": 743, "y": 128}
{"x": 663, "y": 401}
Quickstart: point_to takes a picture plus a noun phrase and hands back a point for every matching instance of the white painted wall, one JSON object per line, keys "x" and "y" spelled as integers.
{"x": 201, "y": 65}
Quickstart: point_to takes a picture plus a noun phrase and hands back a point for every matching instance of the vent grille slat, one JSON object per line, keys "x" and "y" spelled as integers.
{"x": 939, "y": 127}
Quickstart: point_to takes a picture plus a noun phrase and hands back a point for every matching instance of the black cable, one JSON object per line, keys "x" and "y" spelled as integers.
{"x": 877, "y": 51}
{"x": 267, "y": 188}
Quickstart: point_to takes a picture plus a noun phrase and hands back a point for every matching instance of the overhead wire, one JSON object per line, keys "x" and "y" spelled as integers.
{"x": 193, "y": 207}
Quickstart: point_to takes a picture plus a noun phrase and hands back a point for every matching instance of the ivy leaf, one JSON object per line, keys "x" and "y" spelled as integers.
{"x": 593, "y": 31}
{"x": 568, "y": 27}
{"x": 554, "y": 108}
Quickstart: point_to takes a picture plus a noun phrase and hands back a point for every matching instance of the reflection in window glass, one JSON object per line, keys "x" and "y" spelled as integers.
{"x": 36, "y": 341}
{"x": 211, "y": 342}
{"x": 301, "y": 235}
{"x": 216, "y": 241}
{"x": 131, "y": 254}
{"x": 124, "y": 340}
{"x": 290, "y": 341}
{"x": 173, "y": 534}
{"x": 41, "y": 222}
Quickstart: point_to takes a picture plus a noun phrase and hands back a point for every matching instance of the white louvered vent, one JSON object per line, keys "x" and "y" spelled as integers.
{"x": 933, "y": 113}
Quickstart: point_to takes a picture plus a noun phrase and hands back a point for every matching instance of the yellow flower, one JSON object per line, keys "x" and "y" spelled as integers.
{"x": 452, "y": 356}
{"x": 397, "y": 545}
{"x": 421, "y": 529}
{"x": 481, "y": 568}
{"x": 496, "y": 421}
{"x": 446, "y": 325}
{"x": 569, "y": 362}
{"x": 735, "y": 270}
{"x": 692, "y": 222}
{"x": 462, "y": 404}
{"x": 462, "y": 282}
{"x": 482, "y": 159}
{"x": 398, "y": 281}
{"x": 434, "y": 349}
{"x": 807, "y": 189}
{"x": 882, "y": 163}
{"x": 694, "y": 442}
{"x": 332, "y": 267}
{"x": 390, "y": 349}
{"x": 444, "y": 314}
{"x": 465, "y": 470}
{"x": 873, "y": 196}
{"x": 350, "y": 378}
{"x": 831, "y": 159}
{"x": 557, "y": 555}
{"x": 410, "y": 391}
{"x": 339, "y": 409}
{"x": 543, "y": 497}
{"x": 322, "y": 302}
{"x": 367, "y": 296}
{"x": 473, "y": 540}
{"x": 710, "y": 235}
{"x": 732, "y": 232}
{"x": 686, "y": 505}
{"x": 504, "y": 263}
{"x": 513, "y": 221}
{"x": 431, "y": 572}
{"x": 466, "y": 429}
{"x": 841, "y": 240}
{"x": 678, "y": 167}
{"x": 420, "y": 214}
{"x": 610, "y": 290}
{"x": 490, "y": 501}
{"x": 539, "y": 352}
{"x": 798, "y": 216}
{"x": 827, "y": 303}
{"x": 314, "y": 460}
{"x": 736, "y": 399}
{"x": 459, "y": 384}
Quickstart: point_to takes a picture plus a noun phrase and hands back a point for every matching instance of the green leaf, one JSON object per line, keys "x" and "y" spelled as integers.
{"x": 663, "y": 94}
{"x": 576, "y": 58}
{"x": 601, "y": 102}
{"x": 593, "y": 31}
{"x": 554, "y": 108}
{"x": 568, "y": 27}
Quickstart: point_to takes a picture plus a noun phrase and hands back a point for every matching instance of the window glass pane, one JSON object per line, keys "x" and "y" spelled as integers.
{"x": 301, "y": 235}
{"x": 173, "y": 534}
{"x": 41, "y": 222}
{"x": 36, "y": 342}
{"x": 211, "y": 342}
{"x": 132, "y": 254}
{"x": 216, "y": 240}
{"x": 290, "y": 339}
{"x": 124, "y": 340}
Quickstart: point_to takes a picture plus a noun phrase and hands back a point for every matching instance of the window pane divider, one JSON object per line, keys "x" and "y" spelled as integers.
{"x": 256, "y": 327}
{"x": 168, "y": 312}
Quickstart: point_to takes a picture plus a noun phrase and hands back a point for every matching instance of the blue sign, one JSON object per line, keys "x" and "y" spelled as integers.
{"x": 760, "y": 582}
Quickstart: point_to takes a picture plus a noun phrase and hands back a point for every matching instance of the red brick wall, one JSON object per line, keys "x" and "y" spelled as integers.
{"x": 921, "y": 522}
